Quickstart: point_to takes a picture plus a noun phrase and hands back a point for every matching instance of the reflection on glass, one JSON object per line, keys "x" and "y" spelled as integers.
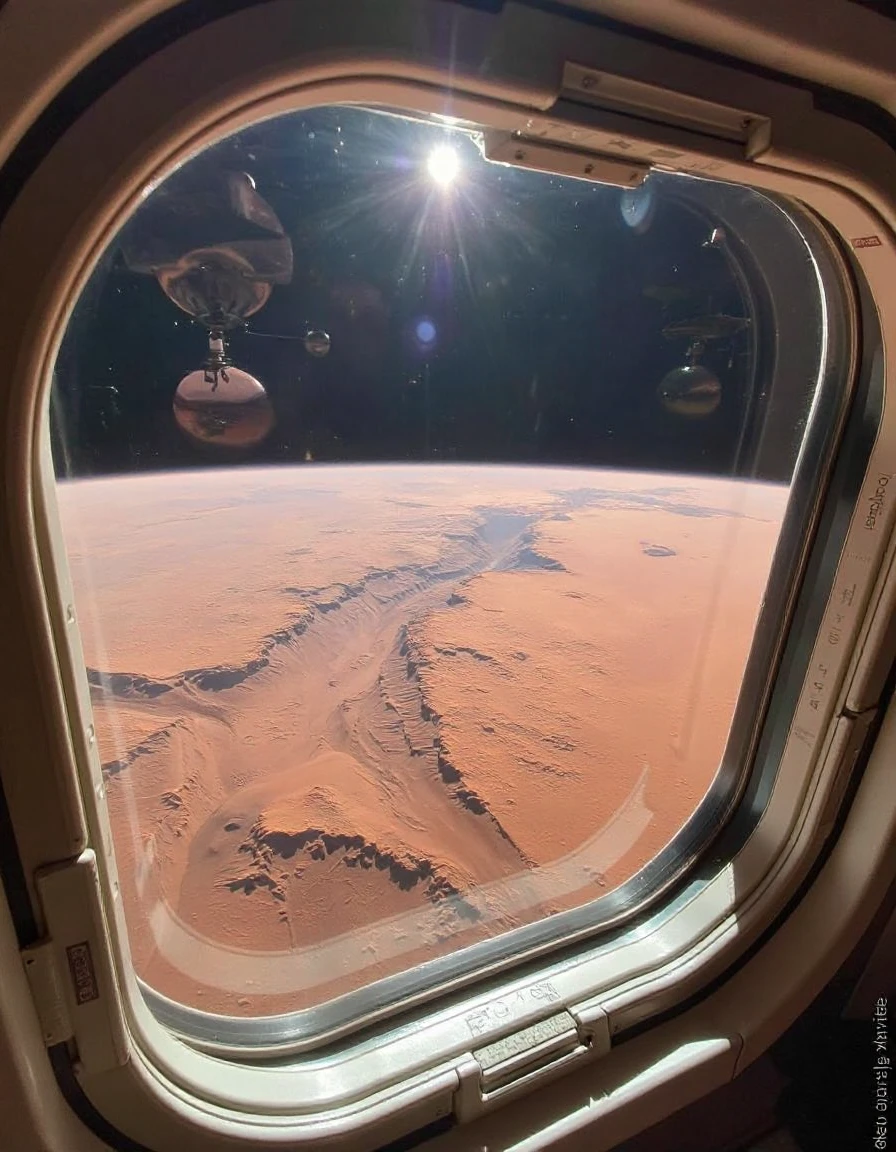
{"x": 638, "y": 206}
{"x": 213, "y": 243}
{"x": 317, "y": 343}
{"x": 458, "y": 648}
{"x": 690, "y": 391}
{"x": 234, "y": 411}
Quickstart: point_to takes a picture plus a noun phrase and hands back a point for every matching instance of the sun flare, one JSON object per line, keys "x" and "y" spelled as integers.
{"x": 443, "y": 165}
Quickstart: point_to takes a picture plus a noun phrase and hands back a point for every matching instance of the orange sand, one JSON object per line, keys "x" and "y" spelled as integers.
{"x": 355, "y": 717}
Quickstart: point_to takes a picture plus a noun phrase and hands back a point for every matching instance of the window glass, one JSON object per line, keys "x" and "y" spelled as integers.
{"x": 420, "y": 511}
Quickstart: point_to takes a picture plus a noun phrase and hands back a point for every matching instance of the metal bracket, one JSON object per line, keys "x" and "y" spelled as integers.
{"x": 47, "y": 992}
{"x": 579, "y": 163}
{"x": 650, "y": 102}
{"x": 527, "y": 1058}
{"x": 612, "y": 129}
{"x": 850, "y": 734}
{"x": 71, "y": 973}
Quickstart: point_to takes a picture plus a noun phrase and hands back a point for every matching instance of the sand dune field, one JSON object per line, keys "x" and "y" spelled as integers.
{"x": 355, "y": 717}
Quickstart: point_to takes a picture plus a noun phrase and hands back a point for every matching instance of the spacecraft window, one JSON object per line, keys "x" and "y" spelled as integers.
{"x": 434, "y": 526}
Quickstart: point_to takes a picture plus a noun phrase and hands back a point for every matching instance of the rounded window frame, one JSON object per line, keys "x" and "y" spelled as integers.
{"x": 175, "y": 1070}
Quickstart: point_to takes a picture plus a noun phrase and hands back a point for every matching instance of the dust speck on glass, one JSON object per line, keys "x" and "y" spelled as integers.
{"x": 419, "y": 511}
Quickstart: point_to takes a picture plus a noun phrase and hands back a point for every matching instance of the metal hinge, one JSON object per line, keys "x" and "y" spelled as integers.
{"x": 614, "y": 130}
{"x": 527, "y": 1058}
{"x": 654, "y": 104}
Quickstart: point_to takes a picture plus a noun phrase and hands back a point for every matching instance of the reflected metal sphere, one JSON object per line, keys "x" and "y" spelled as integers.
{"x": 637, "y": 207}
{"x": 690, "y": 391}
{"x": 317, "y": 343}
{"x": 237, "y": 414}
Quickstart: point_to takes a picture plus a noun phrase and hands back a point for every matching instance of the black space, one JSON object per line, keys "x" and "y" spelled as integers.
{"x": 548, "y": 307}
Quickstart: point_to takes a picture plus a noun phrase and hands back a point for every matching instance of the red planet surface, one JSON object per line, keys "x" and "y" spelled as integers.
{"x": 352, "y": 718}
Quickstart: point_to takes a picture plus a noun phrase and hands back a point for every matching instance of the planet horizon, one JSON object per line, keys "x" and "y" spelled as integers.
{"x": 354, "y": 717}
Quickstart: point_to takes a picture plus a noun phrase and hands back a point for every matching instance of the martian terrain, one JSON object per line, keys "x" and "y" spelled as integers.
{"x": 352, "y": 718}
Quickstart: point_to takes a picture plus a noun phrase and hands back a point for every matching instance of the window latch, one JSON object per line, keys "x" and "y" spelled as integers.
{"x": 525, "y": 1059}
{"x": 47, "y": 992}
{"x": 70, "y": 972}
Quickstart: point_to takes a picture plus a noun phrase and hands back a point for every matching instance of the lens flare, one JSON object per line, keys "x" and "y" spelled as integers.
{"x": 426, "y": 333}
{"x": 637, "y": 207}
{"x": 443, "y": 165}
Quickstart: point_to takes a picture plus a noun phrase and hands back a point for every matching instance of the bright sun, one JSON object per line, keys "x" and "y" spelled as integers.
{"x": 443, "y": 165}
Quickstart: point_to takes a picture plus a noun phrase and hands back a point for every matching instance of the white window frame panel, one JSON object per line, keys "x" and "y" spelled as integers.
{"x": 152, "y": 1087}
